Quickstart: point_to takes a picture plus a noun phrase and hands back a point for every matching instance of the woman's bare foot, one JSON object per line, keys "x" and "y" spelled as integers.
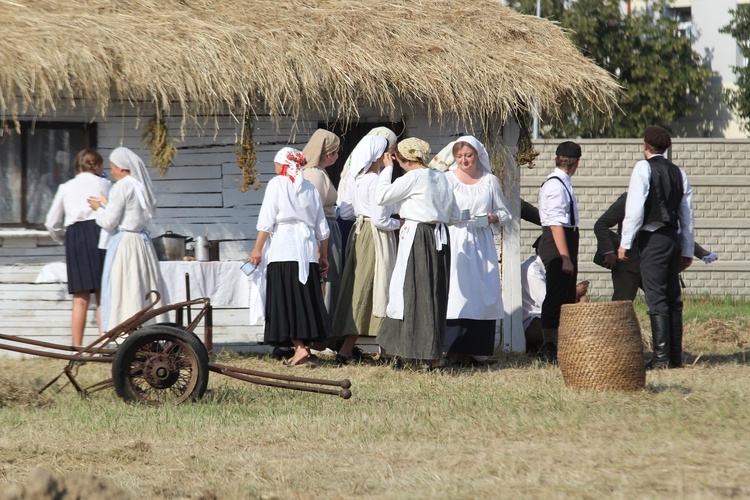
{"x": 300, "y": 356}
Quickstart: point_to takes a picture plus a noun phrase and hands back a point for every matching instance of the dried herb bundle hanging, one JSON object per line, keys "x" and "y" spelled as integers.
{"x": 246, "y": 158}
{"x": 159, "y": 144}
{"x": 526, "y": 153}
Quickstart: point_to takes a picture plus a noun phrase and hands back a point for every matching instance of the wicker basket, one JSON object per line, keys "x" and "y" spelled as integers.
{"x": 600, "y": 346}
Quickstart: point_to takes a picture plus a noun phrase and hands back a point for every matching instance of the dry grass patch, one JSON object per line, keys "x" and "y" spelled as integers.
{"x": 516, "y": 430}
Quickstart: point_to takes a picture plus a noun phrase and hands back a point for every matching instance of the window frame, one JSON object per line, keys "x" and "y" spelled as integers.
{"x": 28, "y": 126}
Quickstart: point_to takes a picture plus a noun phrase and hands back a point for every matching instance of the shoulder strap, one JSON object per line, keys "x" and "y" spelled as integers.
{"x": 570, "y": 198}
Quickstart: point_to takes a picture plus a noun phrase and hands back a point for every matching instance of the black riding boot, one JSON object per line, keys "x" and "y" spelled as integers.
{"x": 675, "y": 338}
{"x": 660, "y": 337}
{"x": 548, "y": 350}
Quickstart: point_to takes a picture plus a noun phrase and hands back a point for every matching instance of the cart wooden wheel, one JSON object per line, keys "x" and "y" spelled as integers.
{"x": 160, "y": 364}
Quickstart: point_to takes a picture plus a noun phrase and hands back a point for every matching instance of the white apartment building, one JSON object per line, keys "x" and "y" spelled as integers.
{"x": 701, "y": 20}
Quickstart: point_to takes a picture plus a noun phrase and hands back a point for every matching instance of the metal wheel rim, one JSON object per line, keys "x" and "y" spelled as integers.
{"x": 163, "y": 371}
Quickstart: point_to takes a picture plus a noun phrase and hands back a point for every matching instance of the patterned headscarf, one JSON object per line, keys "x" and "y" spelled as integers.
{"x": 127, "y": 160}
{"x": 321, "y": 143}
{"x": 292, "y": 160}
{"x": 367, "y": 151}
{"x": 414, "y": 149}
{"x": 444, "y": 160}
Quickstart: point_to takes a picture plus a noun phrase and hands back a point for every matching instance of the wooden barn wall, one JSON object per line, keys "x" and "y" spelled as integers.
{"x": 198, "y": 196}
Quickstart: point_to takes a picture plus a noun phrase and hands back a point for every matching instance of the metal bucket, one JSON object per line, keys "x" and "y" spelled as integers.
{"x": 206, "y": 250}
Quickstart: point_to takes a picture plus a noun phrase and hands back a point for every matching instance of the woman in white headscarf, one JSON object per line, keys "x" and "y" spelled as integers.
{"x": 372, "y": 251}
{"x": 474, "y": 301}
{"x": 131, "y": 268}
{"x": 345, "y": 213}
{"x": 291, "y": 255}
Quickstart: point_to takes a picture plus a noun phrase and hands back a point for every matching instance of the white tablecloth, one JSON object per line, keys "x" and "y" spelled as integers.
{"x": 222, "y": 282}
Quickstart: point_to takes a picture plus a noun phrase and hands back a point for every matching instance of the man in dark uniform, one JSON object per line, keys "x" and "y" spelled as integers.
{"x": 626, "y": 276}
{"x": 659, "y": 210}
{"x": 558, "y": 247}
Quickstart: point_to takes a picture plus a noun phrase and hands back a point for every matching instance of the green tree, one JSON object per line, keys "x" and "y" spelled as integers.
{"x": 739, "y": 27}
{"x": 661, "y": 75}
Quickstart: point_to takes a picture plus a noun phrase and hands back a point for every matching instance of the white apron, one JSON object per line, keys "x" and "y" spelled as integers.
{"x": 302, "y": 235}
{"x": 385, "y": 250}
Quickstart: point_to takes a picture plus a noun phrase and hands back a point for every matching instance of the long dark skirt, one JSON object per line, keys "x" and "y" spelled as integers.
{"x": 420, "y": 334}
{"x": 84, "y": 260}
{"x": 294, "y": 310}
{"x": 475, "y": 337}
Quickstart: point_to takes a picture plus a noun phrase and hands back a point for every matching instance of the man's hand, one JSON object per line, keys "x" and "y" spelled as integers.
{"x": 610, "y": 260}
{"x": 622, "y": 254}
{"x": 686, "y": 261}
{"x": 567, "y": 265}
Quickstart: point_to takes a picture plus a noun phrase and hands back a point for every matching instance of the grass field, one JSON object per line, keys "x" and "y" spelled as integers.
{"x": 513, "y": 431}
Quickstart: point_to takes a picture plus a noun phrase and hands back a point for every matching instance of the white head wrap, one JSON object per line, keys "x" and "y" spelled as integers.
{"x": 389, "y": 135}
{"x": 444, "y": 160}
{"x": 367, "y": 151}
{"x": 294, "y": 160}
{"x": 127, "y": 160}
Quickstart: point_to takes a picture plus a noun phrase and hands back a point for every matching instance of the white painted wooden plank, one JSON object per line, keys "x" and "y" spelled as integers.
{"x": 194, "y": 200}
{"x": 234, "y": 198}
{"x": 186, "y": 186}
{"x": 514, "y": 338}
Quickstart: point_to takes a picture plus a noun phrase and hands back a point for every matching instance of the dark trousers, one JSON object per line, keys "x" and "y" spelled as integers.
{"x": 626, "y": 284}
{"x": 561, "y": 287}
{"x": 661, "y": 253}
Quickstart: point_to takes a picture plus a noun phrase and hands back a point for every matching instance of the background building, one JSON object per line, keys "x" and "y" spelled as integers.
{"x": 701, "y": 20}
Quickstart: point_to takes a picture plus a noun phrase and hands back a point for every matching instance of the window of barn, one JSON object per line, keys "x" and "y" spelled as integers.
{"x": 34, "y": 160}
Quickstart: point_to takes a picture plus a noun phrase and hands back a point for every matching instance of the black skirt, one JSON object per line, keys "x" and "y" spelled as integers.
{"x": 475, "y": 337}
{"x": 84, "y": 260}
{"x": 420, "y": 334}
{"x": 294, "y": 310}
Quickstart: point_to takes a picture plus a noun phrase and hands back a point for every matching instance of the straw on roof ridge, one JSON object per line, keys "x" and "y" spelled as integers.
{"x": 206, "y": 56}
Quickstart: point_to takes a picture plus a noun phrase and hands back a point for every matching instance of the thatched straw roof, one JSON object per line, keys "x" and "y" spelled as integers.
{"x": 285, "y": 56}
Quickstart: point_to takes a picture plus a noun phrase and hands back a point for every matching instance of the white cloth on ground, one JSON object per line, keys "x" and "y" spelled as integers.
{"x": 533, "y": 289}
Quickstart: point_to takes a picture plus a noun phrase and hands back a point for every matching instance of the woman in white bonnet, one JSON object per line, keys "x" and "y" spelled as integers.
{"x": 345, "y": 210}
{"x": 372, "y": 252}
{"x": 474, "y": 300}
{"x": 131, "y": 268}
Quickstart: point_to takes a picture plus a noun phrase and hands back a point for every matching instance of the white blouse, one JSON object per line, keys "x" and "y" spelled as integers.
{"x": 123, "y": 211}
{"x": 70, "y": 206}
{"x": 347, "y": 188}
{"x": 365, "y": 204}
{"x": 485, "y": 196}
{"x": 295, "y": 221}
{"x": 422, "y": 195}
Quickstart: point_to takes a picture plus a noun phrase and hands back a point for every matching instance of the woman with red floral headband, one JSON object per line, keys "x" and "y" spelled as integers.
{"x": 292, "y": 233}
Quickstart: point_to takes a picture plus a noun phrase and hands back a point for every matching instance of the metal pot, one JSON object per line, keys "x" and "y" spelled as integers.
{"x": 206, "y": 250}
{"x": 170, "y": 246}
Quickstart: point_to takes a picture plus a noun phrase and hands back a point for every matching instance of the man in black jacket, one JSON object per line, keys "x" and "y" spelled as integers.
{"x": 626, "y": 276}
{"x": 659, "y": 210}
